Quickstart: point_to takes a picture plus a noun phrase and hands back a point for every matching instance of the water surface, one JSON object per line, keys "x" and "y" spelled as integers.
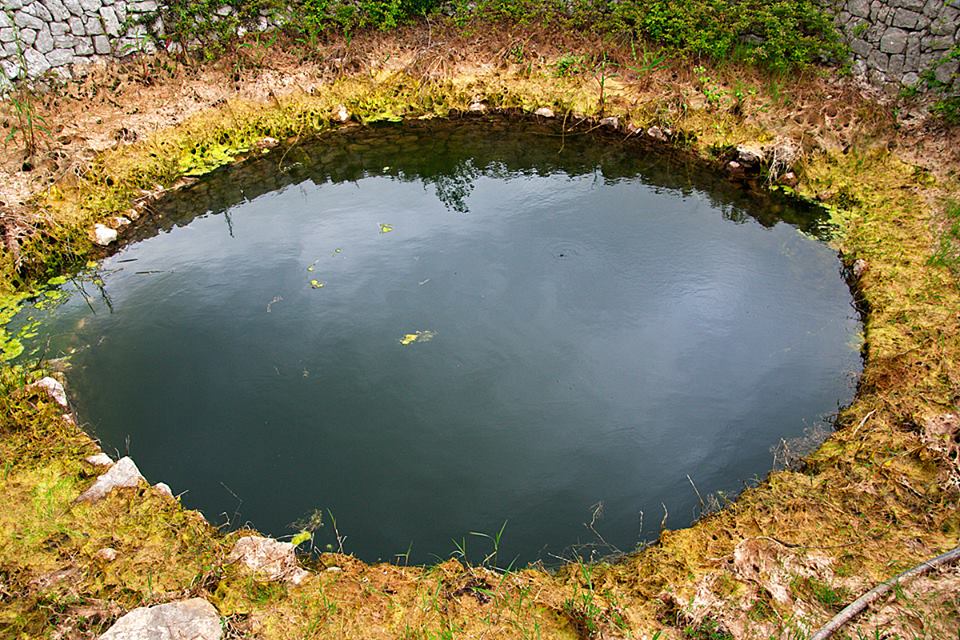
{"x": 596, "y": 323}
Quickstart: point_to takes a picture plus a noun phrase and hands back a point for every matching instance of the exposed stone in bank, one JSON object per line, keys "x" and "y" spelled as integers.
{"x": 193, "y": 619}
{"x": 269, "y": 559}
{"x": 124, "y": 473}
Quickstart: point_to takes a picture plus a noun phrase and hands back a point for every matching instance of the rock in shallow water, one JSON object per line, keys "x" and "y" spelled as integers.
{"x": 122, "y": 474}
{"x": 103, "y": 235}
{"x": 193, "y": 619}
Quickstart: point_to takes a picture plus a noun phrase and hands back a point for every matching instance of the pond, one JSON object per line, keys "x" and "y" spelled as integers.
{"x": 428, "y": 331}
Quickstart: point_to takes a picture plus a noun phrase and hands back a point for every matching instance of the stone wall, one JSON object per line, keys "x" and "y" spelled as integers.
{"x": 41, "y": 36}
{"x": 895, "y": 41}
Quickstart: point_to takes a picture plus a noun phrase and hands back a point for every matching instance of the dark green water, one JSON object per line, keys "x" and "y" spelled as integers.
{"x": 604, "y": 322}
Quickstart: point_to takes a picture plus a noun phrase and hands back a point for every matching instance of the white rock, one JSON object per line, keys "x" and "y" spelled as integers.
{"x": 859, "y": 267}
{"x": 60, "y": 57}
{"x": 104, "y": 235}
{"x": 99, "y": 460}
{"x": 657, "y": 133}
{"x": 342, "y": 114}
{"x": 269, "y": 559}
{"x": 749, "y": 156}
{"x": 193, "y": 619}
{"x": 122, "y": 474}
{"x": 73, "y": 6}
{"x": 611, "y": 123}
{"x": 37, "y": 64}
{"x": 477, "y": 107}
{"x": 53, "y": 388}
{"x": 107, "y": 554}
{"x": 111, "y": 24}
{"x": 164, "y": 488}
{"x": 120, "y": 221}
{"x": 544, "y": 112}
{"x": 101, "y": 44}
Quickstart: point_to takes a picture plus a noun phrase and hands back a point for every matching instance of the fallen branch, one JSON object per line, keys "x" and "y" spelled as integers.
{"x": 857, "y": 606}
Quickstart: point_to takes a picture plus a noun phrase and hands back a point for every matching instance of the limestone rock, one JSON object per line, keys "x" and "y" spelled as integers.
{"x": 164, "y": 488}
{"x": 477, "y": 107}
{"x": 544, "y": 112}
{"x": 658, "y": 134}
{"x": 122, "y": 474}
{"x": 859, "y": 267}
{"x": 99, "y": 460}
{"x": 193, "y": 619}
{"x": 104, "y": 235}
{"x": 53, "y": 388}
{"x": 789, "y": 179}
{"x": 269, "y": 559}
{"x": 341, "y": 114}
{"x": 749, "y": 156}
{"x": 736, "y": 169}
{"x": 107, "y": 554}
{"x": 611, "y": 123}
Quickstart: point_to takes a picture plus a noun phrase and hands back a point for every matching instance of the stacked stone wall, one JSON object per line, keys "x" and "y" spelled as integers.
{"x": 894, "y": 42}
{"x": 44, "y": 36}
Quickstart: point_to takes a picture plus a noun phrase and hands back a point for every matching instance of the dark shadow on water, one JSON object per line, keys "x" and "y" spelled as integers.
{"x": 472, "y": 147}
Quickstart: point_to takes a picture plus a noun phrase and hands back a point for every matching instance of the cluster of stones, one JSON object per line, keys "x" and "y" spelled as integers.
{"x": 265, "y": 559}
{"x": 895, "y": 41}
{"x": 39, "y": 36}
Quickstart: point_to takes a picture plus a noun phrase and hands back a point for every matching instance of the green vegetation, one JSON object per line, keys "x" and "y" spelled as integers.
{"x": 948, "y": 252}
{"x": 947, "y": 107}
{"x": 778, "y": 36}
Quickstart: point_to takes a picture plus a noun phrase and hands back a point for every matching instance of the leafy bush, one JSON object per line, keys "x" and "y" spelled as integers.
{"x": 778, "y": 34}
{"x": 775, "y": 34}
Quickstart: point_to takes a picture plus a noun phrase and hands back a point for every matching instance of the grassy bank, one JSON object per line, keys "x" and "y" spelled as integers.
{"x": 879, "y": 496}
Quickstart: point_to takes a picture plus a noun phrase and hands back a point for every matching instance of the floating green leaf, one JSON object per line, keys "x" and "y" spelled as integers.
{"x": 419, "y": 336}
{"x": 385, "y": 228}
{"x": 316, "y": 284}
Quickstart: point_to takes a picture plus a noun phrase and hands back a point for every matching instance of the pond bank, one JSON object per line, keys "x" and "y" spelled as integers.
{"x": 877, "y": 497}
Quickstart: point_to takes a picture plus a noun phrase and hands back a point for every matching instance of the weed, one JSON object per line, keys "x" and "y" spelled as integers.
{"x": 491, "y": 558}
{"x": 707, "y": 630}
{"x": 710, "y": 90}
{"x": 569, "y": 64}
{"x": 27, "y": 125}
{"x": 646, "y": 61}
